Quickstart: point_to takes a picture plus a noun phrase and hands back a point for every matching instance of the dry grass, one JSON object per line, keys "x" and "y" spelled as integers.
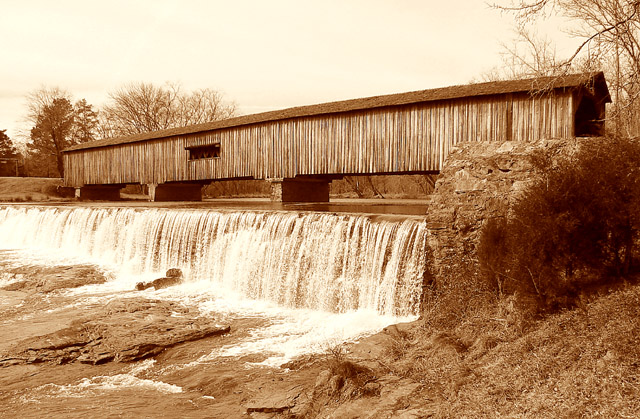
{"x": 346, "y": 370}
{"x": 578, "y": 363}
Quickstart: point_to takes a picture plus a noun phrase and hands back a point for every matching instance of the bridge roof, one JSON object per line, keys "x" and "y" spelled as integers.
{"x": 540, "y": 84}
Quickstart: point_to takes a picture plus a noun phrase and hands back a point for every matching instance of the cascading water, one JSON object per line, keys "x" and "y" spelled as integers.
{"x": 318, "y": 261}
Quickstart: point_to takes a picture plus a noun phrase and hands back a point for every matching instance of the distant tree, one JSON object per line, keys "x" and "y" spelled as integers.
{"x": 7, "y": 150}
{"x": 57, "y": 124}
{"x": 85, "y": 127}
{"x": 363, "y": 186}
{"x": 144, "y": 107}
{"x": 52, "y": 132}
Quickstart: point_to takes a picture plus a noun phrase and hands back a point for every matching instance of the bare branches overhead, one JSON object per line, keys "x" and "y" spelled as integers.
{"x": 143, "y": 107}
{"x": 608, "y": 38}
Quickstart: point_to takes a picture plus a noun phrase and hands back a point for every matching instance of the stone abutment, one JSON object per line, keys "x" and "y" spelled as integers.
{"x": 479, "y": 181}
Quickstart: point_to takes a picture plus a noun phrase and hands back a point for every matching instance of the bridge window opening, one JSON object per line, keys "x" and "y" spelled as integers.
{"x": 588, "y": 120}
{"x": 209, "y": 151}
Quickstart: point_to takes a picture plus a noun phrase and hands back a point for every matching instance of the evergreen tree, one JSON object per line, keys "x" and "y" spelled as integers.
{"x": 85, "y": 122}
{"x": 7, "y": 150}
{"x": 52, "y": 132}
{"x": 58, "y": 124}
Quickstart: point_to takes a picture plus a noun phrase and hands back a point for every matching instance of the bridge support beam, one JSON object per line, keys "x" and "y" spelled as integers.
{"x": 300, "y": 190}
{"x": 175, "y": 192}
{"x": 98, "y": 192}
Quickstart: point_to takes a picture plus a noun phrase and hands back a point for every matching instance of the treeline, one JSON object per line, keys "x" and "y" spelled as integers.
{"x": 56, "y": 121}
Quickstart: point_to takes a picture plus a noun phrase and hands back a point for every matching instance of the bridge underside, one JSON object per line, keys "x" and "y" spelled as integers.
{"x": 298, "y": 189}
{"x": 282, "y": 190}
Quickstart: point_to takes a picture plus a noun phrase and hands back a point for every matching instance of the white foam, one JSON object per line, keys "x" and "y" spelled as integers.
{"x": 103, "y": 383}
{"x": 303, "y": 332}
{"x": 7, "y": 278}
{"x": 291, "y": 332}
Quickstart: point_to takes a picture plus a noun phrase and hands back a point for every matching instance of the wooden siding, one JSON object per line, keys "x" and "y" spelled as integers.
{"x": 409, "y": 138}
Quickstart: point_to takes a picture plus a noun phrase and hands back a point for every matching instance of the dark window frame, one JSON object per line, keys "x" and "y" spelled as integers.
{"x": 205, "y": 151}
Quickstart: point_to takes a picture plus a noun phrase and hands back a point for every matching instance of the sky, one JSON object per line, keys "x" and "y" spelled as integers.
{"x": 264, "y": 55}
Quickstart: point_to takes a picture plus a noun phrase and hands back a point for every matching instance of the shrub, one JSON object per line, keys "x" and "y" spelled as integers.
{"x": 575, "y": 227}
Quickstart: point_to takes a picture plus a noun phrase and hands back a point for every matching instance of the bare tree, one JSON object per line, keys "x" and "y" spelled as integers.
{"x": 426, "y": 183}
{"x": 608, "y": 31}
{"x": 363, "y": 186}
{"x": 144, "y": 107}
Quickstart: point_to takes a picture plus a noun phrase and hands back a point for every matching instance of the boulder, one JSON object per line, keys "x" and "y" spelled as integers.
{"x": 174, "y": 273}
{"x": 173, "y": 277}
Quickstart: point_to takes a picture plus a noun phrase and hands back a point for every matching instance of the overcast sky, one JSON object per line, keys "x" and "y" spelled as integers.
{"x": 263, "y": 55}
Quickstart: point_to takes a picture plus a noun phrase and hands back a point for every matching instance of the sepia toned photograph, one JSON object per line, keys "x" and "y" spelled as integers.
{"x": 320, "y": 209}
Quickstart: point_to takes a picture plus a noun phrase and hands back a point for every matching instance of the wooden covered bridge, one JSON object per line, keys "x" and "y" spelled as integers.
{"x": 300, "y": 150}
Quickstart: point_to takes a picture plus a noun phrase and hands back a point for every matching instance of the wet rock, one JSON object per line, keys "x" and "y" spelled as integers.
{"x": 46, "y": 279}
{"x": 335, "y": 384}
{"x": 371, "y": 389}
{"x": 415, "y": 413}
{"x": 174, "y": 273}
{"x": 394, "y": 393}
{"x": 323, "y": 378}
{"x": 141, "y": 286}
{"x": 173, "y": 277}
{"x": 274, "y": 402}
{"x": 349, "y": 390}
{"x": 121, "y": 331}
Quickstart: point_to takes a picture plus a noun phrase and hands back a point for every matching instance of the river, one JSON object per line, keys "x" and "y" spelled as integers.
{"x": 289, "y": 280}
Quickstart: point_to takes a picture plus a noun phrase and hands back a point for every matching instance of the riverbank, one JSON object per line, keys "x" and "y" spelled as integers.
{"x": 581, "y": 362}
{"x": 30, "y": 189}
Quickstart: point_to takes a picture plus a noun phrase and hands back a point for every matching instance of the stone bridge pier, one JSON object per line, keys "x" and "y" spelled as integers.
{"x": 314, "y": 189}
{"x": 175, "y": 191}
{"x": 98, "y": 192}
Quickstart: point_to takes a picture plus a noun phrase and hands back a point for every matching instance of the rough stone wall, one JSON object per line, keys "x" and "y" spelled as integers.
{"x": 479, "y": 181}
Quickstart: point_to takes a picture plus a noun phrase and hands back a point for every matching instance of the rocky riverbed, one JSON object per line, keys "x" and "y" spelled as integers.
{"x": 126, "y": 354}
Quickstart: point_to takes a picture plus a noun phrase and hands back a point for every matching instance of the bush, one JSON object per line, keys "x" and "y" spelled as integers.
{"x": 574, "y": 228}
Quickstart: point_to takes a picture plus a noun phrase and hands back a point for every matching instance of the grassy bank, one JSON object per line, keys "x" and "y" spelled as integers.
{"x": 29, "y": 189}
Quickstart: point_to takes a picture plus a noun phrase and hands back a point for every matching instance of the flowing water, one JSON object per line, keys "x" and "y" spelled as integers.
{"x": 311, "y": 279}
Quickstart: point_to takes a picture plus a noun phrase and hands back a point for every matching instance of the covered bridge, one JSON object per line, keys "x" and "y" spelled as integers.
{"x": 300, "y": 150}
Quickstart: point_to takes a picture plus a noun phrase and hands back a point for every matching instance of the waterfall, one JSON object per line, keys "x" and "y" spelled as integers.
{"x": 321, "y": 261}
